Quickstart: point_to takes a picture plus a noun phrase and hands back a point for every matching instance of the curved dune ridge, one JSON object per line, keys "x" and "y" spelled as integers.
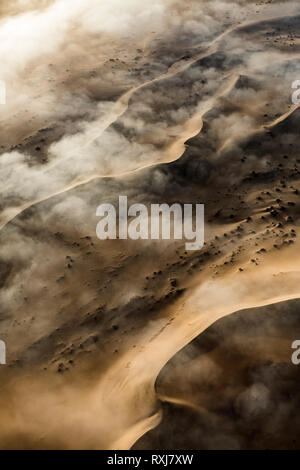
{"x": 163, "y": 104}
{"x": 79, "y": 144}
{"x": 228, "y": 388}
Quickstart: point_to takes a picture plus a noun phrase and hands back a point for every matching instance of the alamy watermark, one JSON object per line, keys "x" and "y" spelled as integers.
{"x": 2, "y": 352}
{"x": 2, "y": 101}
{"x": 296, "y": 354}
{"x": 296, "y": 93}
{"x": 2, "y": 92}
{"x": 163, "y": 221}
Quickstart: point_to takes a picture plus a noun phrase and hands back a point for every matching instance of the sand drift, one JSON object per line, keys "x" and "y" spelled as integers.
{"x": 162, "y": 105}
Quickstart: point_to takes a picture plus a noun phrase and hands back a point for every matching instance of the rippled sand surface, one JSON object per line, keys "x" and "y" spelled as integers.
{"x": 119, "y": 344}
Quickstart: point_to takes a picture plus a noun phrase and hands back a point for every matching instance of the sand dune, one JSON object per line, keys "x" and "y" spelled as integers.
{"x": 193, "y": 107}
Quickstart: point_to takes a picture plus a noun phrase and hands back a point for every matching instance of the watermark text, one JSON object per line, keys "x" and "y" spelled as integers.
{"x": 162, "y": 222}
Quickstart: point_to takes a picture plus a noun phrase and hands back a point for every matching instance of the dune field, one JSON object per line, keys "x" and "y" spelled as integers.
{"x": 143, "y": 344}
